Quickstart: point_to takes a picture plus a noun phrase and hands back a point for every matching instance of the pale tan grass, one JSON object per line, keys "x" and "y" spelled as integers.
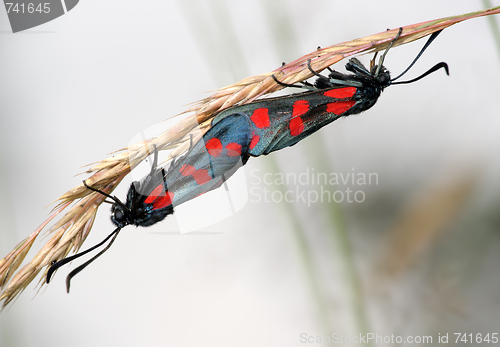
{"x": 69, "y": 233}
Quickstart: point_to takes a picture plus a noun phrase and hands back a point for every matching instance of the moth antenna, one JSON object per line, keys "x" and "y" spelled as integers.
{"x": 84, "y": 265}
{"x": 429, "y": 41}
{"x": 56, "y": 265}
{"x": 431, "y": 70}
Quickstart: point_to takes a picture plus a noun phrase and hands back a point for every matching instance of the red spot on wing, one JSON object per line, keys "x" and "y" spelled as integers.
{"x": 201, "y": 176}
{"x": 260, "y": 118}
{"x": 255, "y": 141}
{"x": 214, "y": 147}
{"x": 158, "y": 191}
{"x": 159, "y": 198}
{"x": 341, "y": 93}
{"x": 163, "y": 201}
{"x": 296, "y": 126}
{"x": 233, "y": 149}
{"x": 300, "y": 107}
{"x": 339, "y": 107}
{"x": 187, "y": 170}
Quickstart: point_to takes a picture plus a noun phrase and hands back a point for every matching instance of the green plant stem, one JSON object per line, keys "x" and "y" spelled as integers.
{"x": 492, "y": 20}
{"x": 339, "y": 236}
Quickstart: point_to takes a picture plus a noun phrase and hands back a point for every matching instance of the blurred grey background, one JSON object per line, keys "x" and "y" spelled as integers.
{"x": 419, "y": 256}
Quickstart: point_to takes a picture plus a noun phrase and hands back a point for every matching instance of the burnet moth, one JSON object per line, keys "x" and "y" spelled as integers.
{"x": 240, "y": 132}
{"x": 147, "y": 203}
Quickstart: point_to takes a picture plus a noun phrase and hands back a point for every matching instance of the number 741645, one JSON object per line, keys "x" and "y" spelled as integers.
{"x": 27, "y": 8}
{"x": 476, "y": 338}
